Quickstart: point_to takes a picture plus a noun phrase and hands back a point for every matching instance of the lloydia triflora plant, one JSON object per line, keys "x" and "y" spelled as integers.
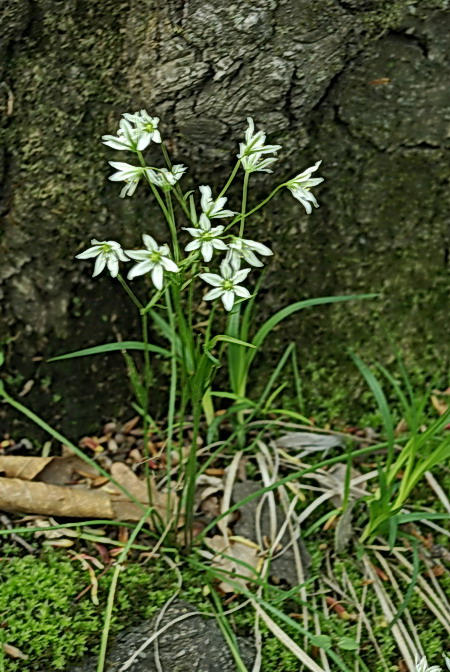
{"x": 213, "y": 266}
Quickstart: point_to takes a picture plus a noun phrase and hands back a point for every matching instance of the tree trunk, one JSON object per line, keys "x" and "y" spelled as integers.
{"x": 361, "y": 84}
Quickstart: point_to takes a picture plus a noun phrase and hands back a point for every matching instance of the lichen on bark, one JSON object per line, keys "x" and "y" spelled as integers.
{"x": 361, "y": 85}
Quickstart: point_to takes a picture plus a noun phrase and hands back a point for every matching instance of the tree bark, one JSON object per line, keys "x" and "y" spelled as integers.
{"x": 361, "y": 84}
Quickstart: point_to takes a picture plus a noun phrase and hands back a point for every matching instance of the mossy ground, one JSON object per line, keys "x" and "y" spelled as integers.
{"x": 41, "y": 615}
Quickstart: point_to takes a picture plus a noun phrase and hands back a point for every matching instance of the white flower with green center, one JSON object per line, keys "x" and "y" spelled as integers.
{"x": 128, "y": 138}
{"x": 126, "y": 173}
{"x": 206, "y": 239}
{"x": 251, "y": 151}
{"x": 108, "y": 253}
{"x": 213, "y": 209}
{"x": 300, "y": 187}
{"x": 245, "y": 249}
{"x": 226, "y": 286}
{"x": 422, "y": 666}
{"x": 154, "y": 259}
{"x": 164, "y": 178}
{"x": 256, "y": 162}
{"x": 146, "y": 125}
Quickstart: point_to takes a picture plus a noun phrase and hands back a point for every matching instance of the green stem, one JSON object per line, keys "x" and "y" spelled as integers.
{"x": 191, "y": 475}
{"x": 147, "y": 385}
{"x": 257, "y": 207}
{"x": 172, "y": 400}
{"x": 244, "y": 203}
{"x": 230, "y": 179}
{"x": 172, "y": 227}
{"x": 130, "y": 292}
{"x": 153, "y": 188}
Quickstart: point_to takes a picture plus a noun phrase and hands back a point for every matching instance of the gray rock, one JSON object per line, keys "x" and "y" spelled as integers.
{"x": 195, "y": 644}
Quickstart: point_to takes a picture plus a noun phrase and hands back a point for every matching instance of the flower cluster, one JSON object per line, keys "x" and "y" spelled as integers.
{"x": 135, "y": 133}
{"x": 252, "y": 151}
{"x": 422, "y": 665}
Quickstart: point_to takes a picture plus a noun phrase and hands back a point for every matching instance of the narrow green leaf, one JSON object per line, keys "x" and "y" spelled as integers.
{"x": 111, "y": 347}
{"x": 380, "y": 398}
{"x": 231, "y": 339}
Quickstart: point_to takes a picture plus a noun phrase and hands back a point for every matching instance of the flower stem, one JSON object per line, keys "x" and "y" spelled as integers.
{"x": 230, "y": 179}
{"x": 130, "y": 292}
{"x": 244, "y": 203}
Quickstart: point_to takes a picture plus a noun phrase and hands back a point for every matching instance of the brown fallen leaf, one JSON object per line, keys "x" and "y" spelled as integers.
{"x": 13, "y": 651}
{"x": 439, "y": 405}
{"x": 53, "y": 500}
{"x": 52, "y": 470}
{"x": 239, "y": 549}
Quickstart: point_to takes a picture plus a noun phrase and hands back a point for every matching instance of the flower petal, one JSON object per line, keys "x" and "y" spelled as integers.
{"x": 100, "y": 264}
{"x": 149, "y": 242}
{"x": 158, "y": 276}
{"x": 169, "y": 265}
{"x": 228, "y": 299}
{"x": 212, "y": 279}
{"x": 241, "y": 291}
{"x": 113, "y": 265}
{"x": 139, "y": 255}
{"x": 207, "y": 251}
{"x": 213, "y": 294}
{"x": 258, "y": 247}
{"x": 239, "y": 276}
{"x": 88, "y": 254}
{"x": 193, "y": 245}
{"x": 140, "y": 269}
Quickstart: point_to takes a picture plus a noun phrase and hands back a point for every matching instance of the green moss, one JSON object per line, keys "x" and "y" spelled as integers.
{"x": 44, "y": 619}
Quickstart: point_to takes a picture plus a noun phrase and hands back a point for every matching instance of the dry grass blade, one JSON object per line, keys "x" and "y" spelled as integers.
{"x": 360, "y": 605}
{"x": 318, "y": 631}
{"x": 438, "y": 604}
{"x": 412, "y": 628}
{"x": 258, "y": 646}
{"x": 227, "y": 493}
{"x": 432, "y": 482}
{"x": 404, "y": 642}
{"x": 286, "y": 640}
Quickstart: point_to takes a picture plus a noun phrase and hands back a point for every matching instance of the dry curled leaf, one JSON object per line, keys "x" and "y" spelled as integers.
{"x": 13, "y": 651}
{"x": 238, "y": 550}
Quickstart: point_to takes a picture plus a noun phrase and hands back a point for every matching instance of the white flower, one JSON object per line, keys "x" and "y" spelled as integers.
{"x": 127, "y": 138}
{"x": 154, "y": 259}
{"x": 422, "y": 666}
{"x": 447, "y": 661}
{"x": 127, "y": 173}
{"x": 164, "y": 178}
{"x": 300, "y": 187}
{"x": 108, "y": 253}
{"x": 255, "y": 162}
{"x": 146, "y": 125}
{"x": 251, "y": 151}
{"x": 241, "y": 247}
{"x": 135, "y": 138}
{"x": 213, "y": 209}
{"x": 226, "y": 285}
{"x": 205, "y": 239}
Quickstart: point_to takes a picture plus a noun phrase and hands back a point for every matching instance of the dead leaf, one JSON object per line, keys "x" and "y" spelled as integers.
{"x": 52, "y": 470}
{"x": 309, "y": 442}
{"x": 13, "y": 651}
{"x": 240, "y": 549}
{"x": 439, "y": 405}
{"x": 380, "y": 80}
{"x": 26, "y": 388}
